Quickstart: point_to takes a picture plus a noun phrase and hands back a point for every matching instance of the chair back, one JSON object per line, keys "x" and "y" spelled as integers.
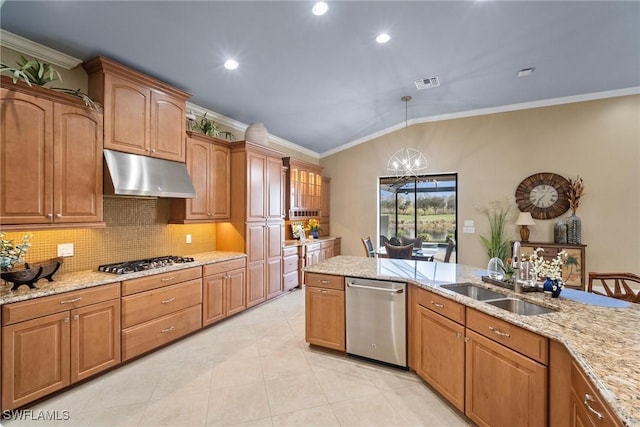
{"x": 450, "y": 247}
{"x": 616, "y": 285}
{"x": 395, "y": 241}
{"x": 417, "y": 242}
{"x": 368, "y": 247}
{"x": 399, "y": 252}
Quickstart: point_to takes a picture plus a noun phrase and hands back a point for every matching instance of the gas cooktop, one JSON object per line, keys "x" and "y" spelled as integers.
{"x": 143, "y": 264}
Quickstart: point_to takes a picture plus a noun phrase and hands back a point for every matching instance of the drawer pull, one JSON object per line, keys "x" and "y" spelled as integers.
{"x": 325, "y": 282}
{"x": 71, "y": 301}
{"x": 167, "y": 301}
{"x": 498, "y": 332}
{"x": 324, "y": 291}
{"x": 168, "y": 279}
{"x": 437, "y": 305}
{"x": 169, "y": 329}
{"x": 588, "y": 399}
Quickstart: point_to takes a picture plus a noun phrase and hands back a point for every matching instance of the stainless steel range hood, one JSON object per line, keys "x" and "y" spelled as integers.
{"x": 134, "y": 175}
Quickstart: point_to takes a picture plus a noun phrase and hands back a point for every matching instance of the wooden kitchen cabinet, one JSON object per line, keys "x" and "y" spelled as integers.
{"x": 573, "y": 271}
{"x": 142, "y": 115}
{"x": 438, "y": 343}
{"x": 224, "y": 290}
{"x": 51, "y": 342}
{"x": 304, "y": 189}
{"x": 290, "y": 267}
{"x": 208, "y": 163}
{"x": 325, "y": 311}
{"x": 51, "y": 161}
{"x": 587, "y": 406}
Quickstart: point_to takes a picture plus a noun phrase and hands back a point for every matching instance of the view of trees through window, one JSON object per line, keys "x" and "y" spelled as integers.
{"x": 423, "y": 206}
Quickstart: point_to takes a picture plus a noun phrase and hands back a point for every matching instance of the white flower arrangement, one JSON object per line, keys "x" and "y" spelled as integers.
{"x": 11, "y": 254}
{"x": 548, "y": 269}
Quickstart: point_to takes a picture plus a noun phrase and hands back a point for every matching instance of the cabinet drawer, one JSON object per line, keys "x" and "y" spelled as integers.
{"x": 149, "y": 305}
{"x": 290, "y": 264}
{"x": 313, "y": 247}
{"x": 324, "y": 281}
{"x": 224, "y": 266}
{"x": 582, "y": 391}
{"x": 159, "y": 280}
{"x": 38, "y": 307}
{"x": 290, "y": 250}
{"x": 525, "y": 342}
{"x": 147, "y": 336}
{"x": 441, "y": 305}
{"x": 326, "y": 244}
{"x": 290, "y": 280}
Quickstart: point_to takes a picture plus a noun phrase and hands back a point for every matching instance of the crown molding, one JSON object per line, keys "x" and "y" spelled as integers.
{"x": 20, "y": 44}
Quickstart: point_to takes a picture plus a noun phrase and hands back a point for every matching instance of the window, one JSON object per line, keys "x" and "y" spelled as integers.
{"x": 423, "y": 206}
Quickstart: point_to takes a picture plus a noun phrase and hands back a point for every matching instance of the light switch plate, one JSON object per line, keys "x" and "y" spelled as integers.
{"x": 469, "y": 230}
{"x": 187, "y": 238}
{"x": 65, "y": 249}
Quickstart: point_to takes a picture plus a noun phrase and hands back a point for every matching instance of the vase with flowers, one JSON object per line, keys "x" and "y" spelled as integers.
{"x": 313, "y": 226}
{"x": 549, "y": 271}
{"x": 11, "y": 255}
{"x": 574, "y": 224}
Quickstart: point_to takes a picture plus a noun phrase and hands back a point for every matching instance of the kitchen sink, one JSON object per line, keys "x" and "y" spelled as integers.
{"x": 517, "y": 306}
{"x": 473, "y": 291}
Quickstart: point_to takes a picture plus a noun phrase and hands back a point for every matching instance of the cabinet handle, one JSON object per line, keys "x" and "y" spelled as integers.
{"x": 50, "y": 216}
{"x": 70, "y": 301}
{"x": 76, "y": 317}
{"x": 66, "y": 320}
{"x": 168, "y": 279}
{"x": 169, "y": 329}
{"x": 458, "y": 334}
{"x": 58, "y": 215}
{"x": 325, "y": 282}
{"x": 588, "y": 399}
{"x": 324, "y": 291}
{"x": 498, "y": 332}
{"x": 167, "y": 301}
{"x": 437, "y": 305}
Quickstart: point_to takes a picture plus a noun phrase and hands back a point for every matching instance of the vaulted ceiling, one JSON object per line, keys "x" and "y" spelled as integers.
{"x": 322, "y": 81}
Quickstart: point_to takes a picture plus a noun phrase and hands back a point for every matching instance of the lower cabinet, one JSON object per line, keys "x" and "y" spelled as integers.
{"x": 51, "y": 342}
{"x": 587, "y": 407}
{"x": 224, "y": 290}
{"x": 290, "y": 265}
{"x": 324, "y": 311}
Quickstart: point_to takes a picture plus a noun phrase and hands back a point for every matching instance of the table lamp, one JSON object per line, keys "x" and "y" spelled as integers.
{"x": 524, "y": 220}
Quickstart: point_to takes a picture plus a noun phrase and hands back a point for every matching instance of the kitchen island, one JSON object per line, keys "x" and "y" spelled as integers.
{"x": 603, "y": 341}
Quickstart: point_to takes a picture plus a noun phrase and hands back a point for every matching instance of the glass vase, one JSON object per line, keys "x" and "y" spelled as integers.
{"x": 495, "y": 269}
{"x": 560, "y": 232}
{"x": 574, "y": 229}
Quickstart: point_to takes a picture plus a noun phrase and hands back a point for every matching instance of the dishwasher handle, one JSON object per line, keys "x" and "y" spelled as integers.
{"x": 374, "y": 288}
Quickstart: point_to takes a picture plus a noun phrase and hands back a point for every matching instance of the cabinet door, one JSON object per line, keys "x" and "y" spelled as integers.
{"x": 256, "y": 182}
{"x": 325, "y": 317}
{"x": 214, "y": 301}
{"x": 35, "y": 359}
{"x": 126, "y": 116}
{"x": 503, "y": 387}
{"x": 220, "y": 187}
{"x": 95, "y": 339}
{"x": 26, "y": 159}
{"x": 274, "y": 188}
{"x": 77, "y": 183}
{"x": 256, "y": 263}
{"x": 440, "y": 358}
{"x": 256, "y": 283}
{"x": 198, "y": 165}
{"x": 235, "y": 292}
{"x": 167, "y": 127}
{"x": 274, "y": 259}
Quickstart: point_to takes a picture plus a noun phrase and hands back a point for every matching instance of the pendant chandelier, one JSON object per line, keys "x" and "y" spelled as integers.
{"x": 406, "y": 162}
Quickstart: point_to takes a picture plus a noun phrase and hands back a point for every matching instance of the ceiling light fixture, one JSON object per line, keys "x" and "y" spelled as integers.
{"x": 406, "y": 162}
{"x": 320, "y": 8}
{"x": 525, "y": 72}
{"x": 231, "y": 64}
{"x": 383, "y": 38}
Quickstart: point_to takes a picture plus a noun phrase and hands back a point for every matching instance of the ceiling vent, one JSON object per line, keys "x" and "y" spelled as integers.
{"x": 427, "y": 83}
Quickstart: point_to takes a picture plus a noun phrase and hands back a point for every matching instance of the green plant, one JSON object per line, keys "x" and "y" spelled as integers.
{"x": 86, "y": 98}
{"x": 12, "y": 254}
{"x": 496, "y": 244}
{"x": 209, "y": 128}
{"x": 33, "y": 71}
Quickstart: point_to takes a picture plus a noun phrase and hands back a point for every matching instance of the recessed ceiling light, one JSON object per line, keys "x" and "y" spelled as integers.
{"x": 383, "y": 38}
{"x": 231, "y": 64}
{"x": 526, "y": 72}
{"x": 320, "y": 8}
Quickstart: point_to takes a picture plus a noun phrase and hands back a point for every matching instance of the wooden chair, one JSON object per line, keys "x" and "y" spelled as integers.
{"x": 368, "y": 247}
{"x": 399, "y": 252}
{"x": 450, "y": 247}
{"x": 417, "y": 242}
{"x": 621, "y": 290}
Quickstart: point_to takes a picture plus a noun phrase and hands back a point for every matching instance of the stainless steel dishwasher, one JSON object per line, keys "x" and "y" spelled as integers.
{"x": 376, "y": 320}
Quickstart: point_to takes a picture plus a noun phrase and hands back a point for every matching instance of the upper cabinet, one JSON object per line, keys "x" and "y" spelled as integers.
{"x": 303, "y": 198}
{"x": 208, "y": 164}
{"x": 50, "y": 159}
{"x": 142, "y": 115}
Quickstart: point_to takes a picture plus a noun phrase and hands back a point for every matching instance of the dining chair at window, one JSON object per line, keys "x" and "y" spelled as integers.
{"x": 417, "y": 242}
{"x": 399, "y": 252}
{"x": 450, "y": 247}
{"x": 368, "y": 247}
{"x": 616, "y": 285}
{"x": 395, "y": 241}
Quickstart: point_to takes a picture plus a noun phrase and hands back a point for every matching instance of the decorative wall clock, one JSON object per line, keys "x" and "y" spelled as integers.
{"x": 543, "y": 194}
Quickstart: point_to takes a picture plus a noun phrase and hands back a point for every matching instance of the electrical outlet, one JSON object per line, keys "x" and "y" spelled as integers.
{"x": 187, "y": 238}
{"x": 65, "y": 249}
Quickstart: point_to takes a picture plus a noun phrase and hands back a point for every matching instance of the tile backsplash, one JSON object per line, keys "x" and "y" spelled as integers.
{"x": 136, "y": 228}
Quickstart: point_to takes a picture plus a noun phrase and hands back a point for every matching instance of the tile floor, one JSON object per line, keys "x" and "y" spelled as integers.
{"x": 253, "y": 369}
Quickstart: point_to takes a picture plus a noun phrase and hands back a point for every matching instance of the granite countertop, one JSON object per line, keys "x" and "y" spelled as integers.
{"x": 604, "y": 341}
{"x": 86, "y": 279}
{"x": 295, "y": 242}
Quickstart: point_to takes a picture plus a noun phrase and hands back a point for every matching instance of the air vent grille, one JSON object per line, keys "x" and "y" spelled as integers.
{"x": 427, "y": 83}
